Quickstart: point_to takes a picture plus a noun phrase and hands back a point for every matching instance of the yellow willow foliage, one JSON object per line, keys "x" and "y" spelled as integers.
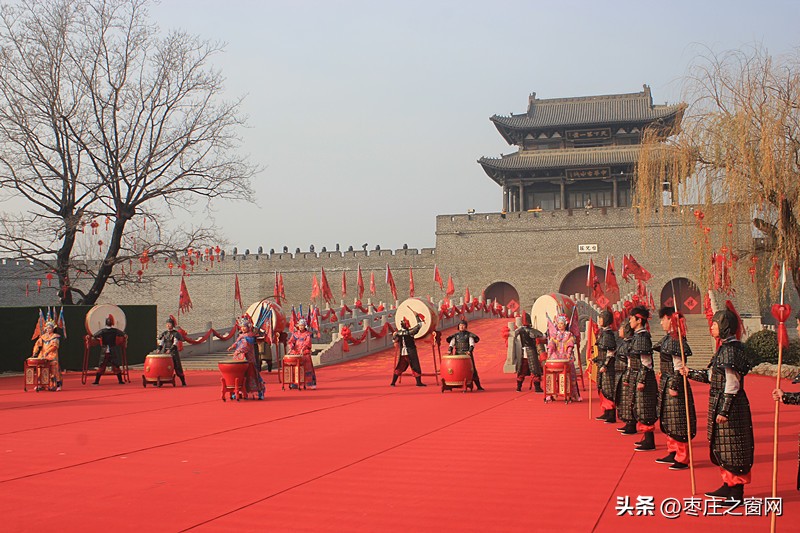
{"x": 736, "y": 157}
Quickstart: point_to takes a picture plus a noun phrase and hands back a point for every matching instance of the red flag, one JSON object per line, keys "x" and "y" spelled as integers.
{"x": 360, "y": 283}
{"x": 237, "y": 294}
{"x": 314, "y": 288}
{"x": 281, "y": 287}
{"x": 451, "y": 289}
{"x": 411, "y": 282}
{"x": 437, "y": 277}
{"x": 327, "y": 295}
{"x": 344, "y": 284}
{"x": 184, "y": 301}
{"x": 597, "y": 290}
{"x": 293, "y": 320}
{"x": 372, "y": 289}
{"x": 638, "y": 271}
{"x": 390, "y": 281}
{"x": 467, "y": 297}
{"x": 626, "y": 269}
{"x": 612, "y": 287}
{"x": 276, "y": 290}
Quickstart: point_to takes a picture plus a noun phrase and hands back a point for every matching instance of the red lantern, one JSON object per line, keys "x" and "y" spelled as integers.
{"x": 100, "y": 244}
{"x": 170, "y": 265}
{"x": 752, "y": 271}
{"x": 139, "y": 274}
{"x": 107, "y": 221}
{"x": 217, "y": 250}
{"x": 754, "y": 259}
{"x": 95, "y": 224}
{"x": 49, "y": 277}
{"x": 706, "y": 230}
{"x": 38, "y": 285}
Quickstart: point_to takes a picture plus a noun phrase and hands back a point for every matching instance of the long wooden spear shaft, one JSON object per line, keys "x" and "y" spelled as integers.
{"x": 589, "y": 362}
{"x": 685, "y": 392}
{"x": 774, "y": 517}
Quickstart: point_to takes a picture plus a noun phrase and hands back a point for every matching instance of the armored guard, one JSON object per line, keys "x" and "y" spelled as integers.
{"x": 730, "y": 426}
{"x": 671, "y": 399}
{"x": 527, "y": 362}
{"x": 626, "y": 384}
{"x": 109, "y": 350}
{"x": 606, "y": 367}
{"x": 645, "y": 397}
{"x": 171, "y": 341}
{"x": 463, "y": 342}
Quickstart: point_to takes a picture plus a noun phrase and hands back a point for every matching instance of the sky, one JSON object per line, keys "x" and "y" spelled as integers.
{"x": 368, "y": 117}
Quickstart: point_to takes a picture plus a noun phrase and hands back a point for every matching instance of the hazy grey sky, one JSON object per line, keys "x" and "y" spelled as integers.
{"x": 368, "y": 116}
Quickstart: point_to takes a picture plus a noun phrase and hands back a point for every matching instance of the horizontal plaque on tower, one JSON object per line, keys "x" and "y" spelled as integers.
{"x": 589, "y": 135}
{"x": 588, "y": 173}
{"x": 587, "y": 248}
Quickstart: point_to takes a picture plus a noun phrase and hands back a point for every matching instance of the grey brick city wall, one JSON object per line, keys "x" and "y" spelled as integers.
{"x": 533, "y": 252}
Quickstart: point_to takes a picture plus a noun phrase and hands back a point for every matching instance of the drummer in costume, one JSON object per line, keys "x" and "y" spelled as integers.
{"x": 790, "y": 398}
{"x": 244, "y": 350}
{"x": 46, "y": 347}
{"x": 300, "y": 343}
{"x": 171, "y": 341}
{"x": 463, "y": 342}
{"x": 606, "y": 382}
{"x": 645, "y": 397}
{"x": 671, "y": 399}
{"x": 109, "y": 350}
{"x": 730, "y": 425}
{"x": 563, "y": 339}
{"x": 404, "y": 339}
{"x": 528, "y": 362}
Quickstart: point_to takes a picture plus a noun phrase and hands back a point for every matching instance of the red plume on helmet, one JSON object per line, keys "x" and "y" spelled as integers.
{"x": 110, "y": 320}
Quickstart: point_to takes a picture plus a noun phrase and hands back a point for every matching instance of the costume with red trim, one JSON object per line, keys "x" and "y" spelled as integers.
{"x": 404, "y": 339}
{"x": 46, "y": 347}
{"x": 109, "y": 350}
{"x": 300, "y": 344}
{"x": 527, "y": 360}
{"x": 171, "y": 341}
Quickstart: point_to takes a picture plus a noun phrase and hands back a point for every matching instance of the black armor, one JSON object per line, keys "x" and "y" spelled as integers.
{"x": 645, "y": 401}
{"x": 168, "y": 343}
{"x": 627, "y": 383}
{"x": 731, "y": 444}
{"x": 793, "y": 398}
{"x": 672, "y": 409}
{"x": 527, "y": 339}
{"x": 606, "y": 345}
{"x": 461, "y": 344}
{"x": 405, "y": 339}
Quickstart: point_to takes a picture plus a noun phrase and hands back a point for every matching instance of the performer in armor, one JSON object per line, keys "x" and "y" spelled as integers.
{"x": 244, "y": 350}
{"x": 645, "y": 397}
{"x": 671, "y": 399}
{"x": 562, "y": 346}
{"x": 463, "y": 342}
{"x": 300, "y": 343}
{"x": 791, "y": 398}
{"x": 109, "y": 350}
{"x": 46, "y": 347}
{"x": 625, "y": 367}
{"x": 606, "y": 367}
{"x": 528, "y": 363}
{"x": 171, "y": 341}
{"x": 403, "y": 338}
{"x": 730, "y": 426}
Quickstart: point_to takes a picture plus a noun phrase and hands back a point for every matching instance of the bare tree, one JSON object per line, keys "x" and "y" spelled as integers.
{"x": 106, "y": 120}
{"x": 739, "y": 148}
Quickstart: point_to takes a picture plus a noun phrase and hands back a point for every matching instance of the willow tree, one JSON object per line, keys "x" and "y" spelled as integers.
{"x": 738, "y": 151}
{"x": 105, "y": 121}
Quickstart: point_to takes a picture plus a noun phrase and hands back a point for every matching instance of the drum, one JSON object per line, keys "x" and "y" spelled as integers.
{"x": 97, "y": 315}
{"x": 421, "y": 307}
{"x": 557, "y": 378}
{"x": 158, "y": 369}
{"x": 37, "y": 362}
{"x": 294, "y": 372}
{"x": 37, "y": 372}
{"x": 233, "y": 371}
{"x": 456, "y": 371}
{"x": 261, "y": 308}
{"x": 550, "y": 305}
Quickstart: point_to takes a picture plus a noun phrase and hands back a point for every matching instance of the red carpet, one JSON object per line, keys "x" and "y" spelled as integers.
{"x": 354, "y": 455}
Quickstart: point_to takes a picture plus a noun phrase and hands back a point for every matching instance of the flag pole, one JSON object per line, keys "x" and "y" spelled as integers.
{"x": 783, "y": 313}
{"x": 685, "y": 390}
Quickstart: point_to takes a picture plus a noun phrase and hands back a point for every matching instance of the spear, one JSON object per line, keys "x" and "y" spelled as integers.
{"x": 685, "y": 390}
{"x": 781, "y": 313}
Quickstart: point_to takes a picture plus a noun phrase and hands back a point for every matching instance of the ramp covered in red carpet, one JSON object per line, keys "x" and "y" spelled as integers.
{"x": 356, "y": 455}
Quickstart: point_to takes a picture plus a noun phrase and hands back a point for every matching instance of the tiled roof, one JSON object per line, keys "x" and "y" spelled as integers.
{"x": 570, "y": 158}
{"x": 588, "y": 110}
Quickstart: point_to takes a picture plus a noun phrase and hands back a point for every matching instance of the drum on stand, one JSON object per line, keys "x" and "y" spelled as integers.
{"x": 37, "y": 372}
{"x": 293, "y": 371}
{"x": 456, "y": 372}
{"x": 413, "y": 307}
{"x": 95, "y": 322}
{"x": 557, "y": 382}
{"x": 233, "y": 372}
{"x": 158, "y": 369}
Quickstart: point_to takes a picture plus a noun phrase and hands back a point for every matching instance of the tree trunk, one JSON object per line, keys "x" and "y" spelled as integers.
{"x": 107, "y": 267}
